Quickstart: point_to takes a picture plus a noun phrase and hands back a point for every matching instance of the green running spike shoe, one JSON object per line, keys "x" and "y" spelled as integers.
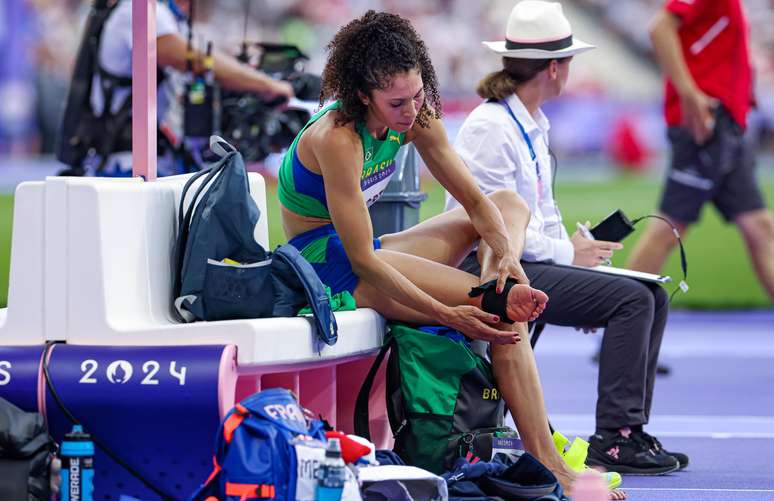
{"x": 575, "y": 457}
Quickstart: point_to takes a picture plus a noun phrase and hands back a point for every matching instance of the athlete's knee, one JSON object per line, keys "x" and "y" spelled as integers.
{"x": 509, "y": 200}
{"x": 388, "y": 240}
{"x": 758, "y": 227}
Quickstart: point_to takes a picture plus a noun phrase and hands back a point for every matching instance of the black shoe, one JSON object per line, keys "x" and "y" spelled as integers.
{"x": 630, "y": 455}
{"x": 656, "y": 445}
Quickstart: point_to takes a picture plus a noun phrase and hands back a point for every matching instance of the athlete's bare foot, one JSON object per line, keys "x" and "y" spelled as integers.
{"x": 525, "y": 304}
{"x": 617, "y": 494}
{"x": 567, "y": 478}
{"x": 563, "y": 474}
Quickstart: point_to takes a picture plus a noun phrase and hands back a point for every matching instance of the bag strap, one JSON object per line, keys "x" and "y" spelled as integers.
{"x": 316, "y": 295}
{"x": 208, "y": 485}
{"x": 210, "y": 172}
{"x": 225, "y": 433}
{"x": 220, "y": 146}
{"x": 361, "y": 416}
{"x": 250, "y": 491}
{"x": 233, "y": 422}
{"x": 222, "y": 149}
{"x": 183, "y": 223}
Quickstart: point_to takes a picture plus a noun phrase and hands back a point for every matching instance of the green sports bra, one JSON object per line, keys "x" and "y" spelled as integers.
{"x": 303, "y": 192}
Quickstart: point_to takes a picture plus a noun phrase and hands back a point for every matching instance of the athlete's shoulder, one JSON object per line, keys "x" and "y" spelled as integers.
{"x": 326, "y": 143}
{"x": 325, "y": 133}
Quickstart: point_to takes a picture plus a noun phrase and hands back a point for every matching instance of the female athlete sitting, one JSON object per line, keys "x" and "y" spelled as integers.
{"x": 386, "y": 95}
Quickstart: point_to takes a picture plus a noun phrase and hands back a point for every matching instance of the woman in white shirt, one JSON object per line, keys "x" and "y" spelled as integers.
{"x": 504, "y": 143}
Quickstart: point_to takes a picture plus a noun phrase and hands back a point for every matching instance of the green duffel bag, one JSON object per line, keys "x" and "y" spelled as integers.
{"x": 439, "y": 395}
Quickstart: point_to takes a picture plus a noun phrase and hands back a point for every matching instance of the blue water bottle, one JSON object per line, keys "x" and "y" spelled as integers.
{"x": 332, "y": 473}
{"x": 77, "y": 453}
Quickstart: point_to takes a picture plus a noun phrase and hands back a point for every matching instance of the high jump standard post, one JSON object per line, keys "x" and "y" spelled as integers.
{"x": 144, "y": 89}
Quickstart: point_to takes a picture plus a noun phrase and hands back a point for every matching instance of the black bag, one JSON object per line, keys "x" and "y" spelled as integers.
{"x": 25, "y": 454}
{"x": 522, "y": 479}
{"x": 219, "y": 224}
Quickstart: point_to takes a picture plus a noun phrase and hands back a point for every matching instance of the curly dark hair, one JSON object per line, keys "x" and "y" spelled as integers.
{"x": 365, "y": 53}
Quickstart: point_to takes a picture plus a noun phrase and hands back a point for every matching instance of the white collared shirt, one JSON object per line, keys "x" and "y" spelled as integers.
{"x": 494, "y": 149}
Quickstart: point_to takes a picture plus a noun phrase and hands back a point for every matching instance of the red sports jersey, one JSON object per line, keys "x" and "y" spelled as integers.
{"x": 714, "y": 39}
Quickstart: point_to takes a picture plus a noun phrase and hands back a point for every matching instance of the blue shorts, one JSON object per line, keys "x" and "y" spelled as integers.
{"x": 323, "y": 249}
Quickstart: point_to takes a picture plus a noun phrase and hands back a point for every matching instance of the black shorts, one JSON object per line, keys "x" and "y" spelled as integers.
{"x": 721, "y": 171}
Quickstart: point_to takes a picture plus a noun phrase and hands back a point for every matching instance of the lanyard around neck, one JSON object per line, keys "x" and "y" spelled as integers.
{"x": 527, "y": 140}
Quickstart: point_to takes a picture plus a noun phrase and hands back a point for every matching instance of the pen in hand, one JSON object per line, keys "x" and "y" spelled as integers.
{"x": 584, "y": 230}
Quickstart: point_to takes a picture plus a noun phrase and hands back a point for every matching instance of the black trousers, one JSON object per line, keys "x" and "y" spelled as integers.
{"x": 633, "y": 315}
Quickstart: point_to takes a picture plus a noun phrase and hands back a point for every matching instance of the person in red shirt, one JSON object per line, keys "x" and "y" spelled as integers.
{"x": 702, "y": 46}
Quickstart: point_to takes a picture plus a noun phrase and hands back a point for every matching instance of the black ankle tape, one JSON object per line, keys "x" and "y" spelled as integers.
{"x": 492, "y": 302}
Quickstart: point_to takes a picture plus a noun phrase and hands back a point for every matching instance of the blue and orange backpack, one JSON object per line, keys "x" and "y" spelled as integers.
{"x": 255, "y": 452}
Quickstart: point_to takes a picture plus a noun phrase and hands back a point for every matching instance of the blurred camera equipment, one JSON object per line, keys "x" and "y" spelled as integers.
{"x": 257, "y": 126}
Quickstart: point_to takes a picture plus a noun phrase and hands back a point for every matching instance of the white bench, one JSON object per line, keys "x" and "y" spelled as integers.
{"x": 91, "y": 264}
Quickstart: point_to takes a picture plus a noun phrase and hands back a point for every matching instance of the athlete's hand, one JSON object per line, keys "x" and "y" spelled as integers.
{"x": 696, "y": 108}
{"x": 510, "y": 267}
{"x": 476, "y": 323}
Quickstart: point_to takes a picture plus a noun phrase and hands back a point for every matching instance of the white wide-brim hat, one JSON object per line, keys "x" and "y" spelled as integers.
{"x": 538, "y": 30}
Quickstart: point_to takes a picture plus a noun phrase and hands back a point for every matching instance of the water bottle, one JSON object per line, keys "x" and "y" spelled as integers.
{"x": 77, "y": 453}
{"x": 332, "y": 473}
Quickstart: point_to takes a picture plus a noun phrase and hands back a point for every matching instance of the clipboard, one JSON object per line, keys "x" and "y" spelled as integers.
{"x": 623, "y": 272}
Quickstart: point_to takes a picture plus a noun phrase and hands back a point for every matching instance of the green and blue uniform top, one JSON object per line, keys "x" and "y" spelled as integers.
{"x": 302, "y": 192}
